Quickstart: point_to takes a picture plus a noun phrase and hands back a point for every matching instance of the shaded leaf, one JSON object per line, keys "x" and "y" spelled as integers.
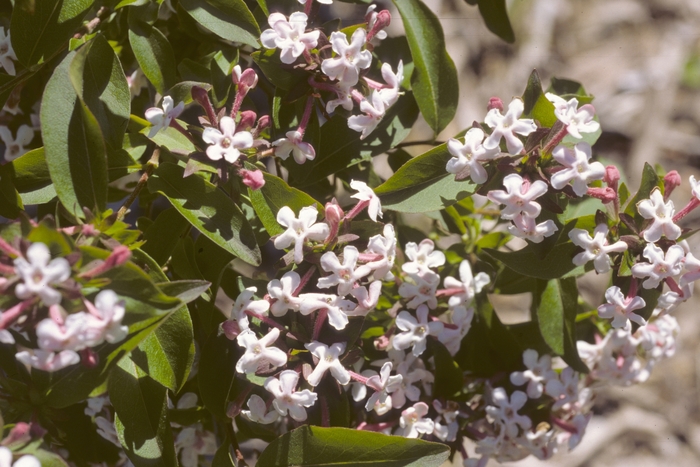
{"x": 228, "y": 19}
{"x": 153, "y": 53}
{"x": 495, "y": 16}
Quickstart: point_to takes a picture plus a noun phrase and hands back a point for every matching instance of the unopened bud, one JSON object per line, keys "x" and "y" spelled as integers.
{"x": 612, "y": 176}
{"x": 89, "y": 230}
{"x": 495, "y": 103}
{"x": 671, "y": 181}
{"x": 231, "y": 329}
{"x": 253, "y": 179}
{"x": 263, "y": 122}
{"x": 382, "y": 20}
{"x": 247, "y": 81}
{"x": 606, "y": 195}
{"x": 334, "y": 213}
{"x": 19, "y": 434}
{"x": 119, "y": 256}
{"x": 89, "y": 358}
{"x": 236, "y": 75}
{"x": 247, "y": 121}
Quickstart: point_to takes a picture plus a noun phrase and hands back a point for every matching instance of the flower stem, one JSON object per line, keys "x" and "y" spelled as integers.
{"x": 150, "y": 167}
{"x": 692, "y": 204}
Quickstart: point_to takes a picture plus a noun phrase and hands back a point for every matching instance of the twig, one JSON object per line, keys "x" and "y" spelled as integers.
{"x": 150, "y": 166}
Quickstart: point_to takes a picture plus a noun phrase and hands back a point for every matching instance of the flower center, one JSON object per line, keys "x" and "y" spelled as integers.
{"x": 226, "y": 143}
{"x": 420, "y": 330}
{"x": 329, "y": 358}
{"x": 257, "y": 349}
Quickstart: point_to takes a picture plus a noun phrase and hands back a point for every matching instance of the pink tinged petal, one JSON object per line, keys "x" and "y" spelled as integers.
{"x": 268, "y": 39}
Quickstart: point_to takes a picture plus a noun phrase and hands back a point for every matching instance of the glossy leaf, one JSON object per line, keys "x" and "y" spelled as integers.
{"x": 162, "y": 236}
{"x": 41, "y": 28}
{"x": 208, "y": 209}
{"x": 98, "y": 79}
{"x": 434, "y": 80}
{"x": 650, "y": 180}
{"x": 74, "y": 145}
{"x": 495, "y": 16}
{"x": 228, "y": 19}
{"x": 556, "y": 317}
{"x": 528, "y": 263}
{"x": 141, "y": 407}
{"x": 536, "y": 104}
{"x": 316, "y": 446}
{"x": 153, "y": 53}
{"x": 423, "y": 184}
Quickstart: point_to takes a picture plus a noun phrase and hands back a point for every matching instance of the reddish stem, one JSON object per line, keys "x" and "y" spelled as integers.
{"x": 8, "y": 249}
{"x": 357, "y": 209}
{"x": 692, "y": 204}
{"x": 304, "y": 279}
{"x": 673, "y": 285}
{"x": 307, "y": 114}
{"x": 318, "y": 325}
{"x": 10, "y": 315}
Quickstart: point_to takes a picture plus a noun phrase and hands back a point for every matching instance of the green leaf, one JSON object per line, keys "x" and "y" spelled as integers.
{"x": 423, "y": 184}
{"x": 568, "y": 89}
{"x": 537, "y": 106}
{"x": 98, "y": 79}
{"x": 228, "y": 19}
{"x": 172, "y": 139}
{"x": 29, "y": 171}
{"x": 74, "y": 146}
{"x": 272, "y": 196}
{"x": 166, "y": 355}
{"x": 41, "y": 28}
{"x": 448, "y": 375}
{"x": 208, "y": 209}
{"x": 556, "y": 317}
{"x": 216, "y": 376}
{"x": 182, "y": 92}
{"x": 650, "y": 180}
{"x": 528, "y": 263}
{"x": 496, "y": 18}
{"x": 153, "y": 53}
{"x": 434, "y": 80}
{"x": 141, "y": 419}
{"x": 186, "y": 290}
{"x": 162, "y": 236}
{"x": 10, "y": 201}
{"x": 316, "y": 446}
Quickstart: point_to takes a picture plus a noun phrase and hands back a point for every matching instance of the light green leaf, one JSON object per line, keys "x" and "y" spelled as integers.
{"x": 42, "y": 27}
{"x": 228, "y": 19}
{"x": 423, "y": 184}
{"x": 434, "y": 80}
{"x": 536, "y": 104}
{"x": 153, "y": 53}
{"x": 316, "y": 446}
{"x": 208, "y": 209}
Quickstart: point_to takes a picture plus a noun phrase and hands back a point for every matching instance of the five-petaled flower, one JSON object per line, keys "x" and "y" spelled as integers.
{"x": 506, "y": 126}
{"x": 621, "y": 308}
{"x": 287, "y": 398}
{"x": 259, "y": 351}
{"x": 416, "y": 331}
{"x": 15, "y": 147}
{"x": 350, "y": 58}
{"x": 365, "y": 193}
{"x": 662, "y": 214}
{"x": 469, "y": 156}
{"x": 289, "y": 36}
{"x": 226, "y": 143}
{"x": 519, "y": 196}
{"x": 596, "y": 248}
{"x": 293, "y": 144}
{"x": 660, "y": 266}
{"x": 299, "y": 230}
{"x": 282, "y": 291}
{"x": 160, "y": 118}
{"x": 577, "y": 168}
{"x": 257, "y": 411}
{"x": 467, "y": 286}
{"x": 344, "y": 274}
{"x": 505, "y": 411}
{"x": 328, "y": 359}
{"x": 577, "y": 119}
{"x": 414, "y": 421}
{"x": 372, "y": 114}
{"x": 244, "y": 302}
{"x": 539, "y": 371}
{"x": 423, "y": 256}
{"x": 38, "y": 272}
{"x": 383, "y": 384}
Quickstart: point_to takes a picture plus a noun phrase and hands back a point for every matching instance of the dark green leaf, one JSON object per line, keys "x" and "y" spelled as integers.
{"x": 74, "y": 145}
{"x": 434, "y": 80}
{"x": 568, "y": 89}
{"x": 208, "y": 209}
{"x": 216, "y": 375}
{"x": 42, "y": 27}
{"x": 182, "y": 92}
{"x": 423, "y": 184}
{"x": 448, "y": 375}
{"x": 526, "y": 261}
{"x": 153, "y": 53}
{"x": 316, "y": 446}
{"x": 99, "y": 81}
{"x": 141, "y": 406}
{"x": 536, "y": 104}
{"x": 29, "y": 171}
{"x": 228, "y": 19}
{"x": 496, "y": 19}
{"x": 556, "y": 316}
{"x": 162, "y": 236}
{"x": 186, "y": 290}
{"x": 650, "y": 180}
{"x": 10, "y": 201}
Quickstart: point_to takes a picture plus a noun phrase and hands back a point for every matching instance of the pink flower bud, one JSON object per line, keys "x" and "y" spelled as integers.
{"x": 263, "y": 122}
{"x": 671, "y": 181}
{"x": 119, "y": 256}
{"x": 606, "y": 195}
{"x": 247, "y": 81}
{"x": 201, "y": 96}
{"x": 383, "y": 19}
{"x": 334, "y": 213}
{"x": 247, "y": 121}
{"x": 230, "y": 329}
{"x": 612, "y": 176}
{"x": 19, "y": 434}
{"x": 381, "y": 342}
{"x": 495, "y": 103}
{"x": 89, "y": 230}
{"x": 89, "y": 358}
{"x": 253, "y": 179}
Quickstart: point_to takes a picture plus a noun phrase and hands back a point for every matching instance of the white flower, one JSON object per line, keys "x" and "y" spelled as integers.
{"x": 621, "y": 308}
{"x": 668, "y": 302}
{"x": 106, "y": 429}
{"x": 596, "y": 248}
{"x": 564, "y": 389}
{"x": 695, "y": 187}
{"x": 527, "y": 227}
{"x": 577, "y": 120}
{"x": 385, "y": 246}
{"x": 282, "y": 291}
{"x": 46, "y": 360}
{"x": 55, "y": 337}
{"x": 161, "y": 118}
{"x": 95, "y": 405}
{"x": 391, "y": 94}
{"x": 110, "y": 310}
{"x": 136, "y": 81}
{"x": 518, "y": 197}
{"x": 505, "y": 411}
{"x": 414, "y": 422}
{"x": 226, "y": 143}
{"x": 38, "y": 271}
{"x": 448, "y": 431}
{"x": 259, "y": 351}
{"x": 469, "y": 284}
{"x": 336, "y": 307}
{"x": 423, "y": 256}
{"x": 7, "y": 53}
{"x": 327, "y": 360}
{"x": 662, "y": 214}
{"x": 372, "y": 114}
{"x": 293, "y": 144}
{"x": 244, "y": 302}
{"x": 452, "y": 338}
{"x": 6, "y": 455}
{"x": 350, "y": 58}
{"x": 577, "y": 168}
{"x": 660, "y": 265}
{"x": 366, "y": 298}
{"x": 469, "y": 156}
{"x": 538, "y": 372}
{"x": 422, "y": 291}
{"x": 416, "y": 331}
{"x": 342, "y": 99}
{"x": 287, "y": 398}
{"x": 192, "y": 442}
{"x": 542, "y": 443}
{"x": 258, "y": 411}
{"x": 383, "y": 384}
{"x": 505, "y": 126}
{"x": 15, "y": 147}
{"x": 289, "y": 36}
{"x": 365, "y": 193}
{"x": 344, "y": 274}
{"x": 580, "y": 422}
{"x": 299, "y": 230}
{"x": 412, "y": 369}
{"x": 325, "y": 2}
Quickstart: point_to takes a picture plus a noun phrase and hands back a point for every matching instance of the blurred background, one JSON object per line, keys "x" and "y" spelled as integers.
{"x": 641, "y": 60}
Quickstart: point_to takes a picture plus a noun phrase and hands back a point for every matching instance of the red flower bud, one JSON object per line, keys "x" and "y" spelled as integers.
{"x": 495, "y": 103}
{"x": 612, "y": 176}
{"x": 253, "y": 179}
{"x": 247, "y": 121}
{"x": 606, "y": 195}
{"x": 671, "y": 181}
